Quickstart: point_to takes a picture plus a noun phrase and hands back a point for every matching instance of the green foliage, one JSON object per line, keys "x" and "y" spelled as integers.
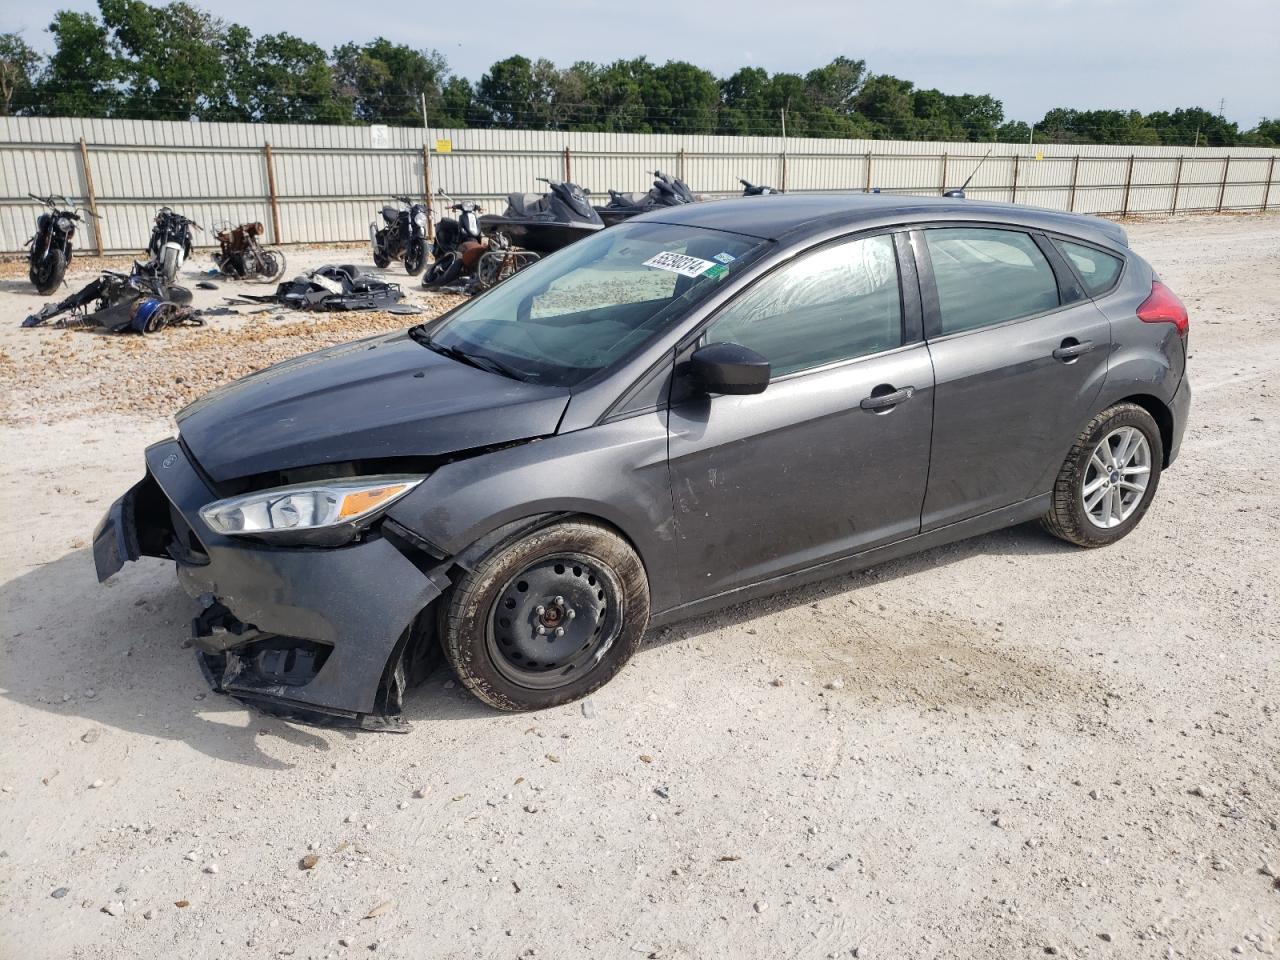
{"x": 18, "y": 64}
{"x": 177, "y": 62}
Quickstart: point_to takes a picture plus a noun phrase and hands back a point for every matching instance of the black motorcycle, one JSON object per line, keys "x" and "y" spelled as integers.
{"x": 750, "y": 189}
{"x": 52, "y": 244}
{"x": 403, "y": 236}
{"x": 170, "y": 242}
{"x": 458, "y": 244}
{"x": 667, "y": 191}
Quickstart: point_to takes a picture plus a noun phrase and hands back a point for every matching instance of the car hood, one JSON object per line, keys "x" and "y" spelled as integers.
{"x": 387, "y": 396}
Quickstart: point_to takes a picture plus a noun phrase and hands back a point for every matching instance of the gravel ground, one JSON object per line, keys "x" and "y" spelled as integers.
{"x": 1002, "y": 748}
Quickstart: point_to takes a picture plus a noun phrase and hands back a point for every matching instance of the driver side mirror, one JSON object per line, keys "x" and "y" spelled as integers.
{"x": 729, "y": 368}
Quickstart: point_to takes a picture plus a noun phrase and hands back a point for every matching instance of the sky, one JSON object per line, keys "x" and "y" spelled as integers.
{"x": 1031, "y": 54}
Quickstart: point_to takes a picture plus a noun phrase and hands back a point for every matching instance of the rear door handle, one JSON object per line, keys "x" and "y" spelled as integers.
{"x": 1071, "y": 349}
{"x": 883, "y": 401}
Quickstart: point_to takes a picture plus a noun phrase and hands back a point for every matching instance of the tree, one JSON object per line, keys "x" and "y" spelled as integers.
{"x": 81, "y": 77}
{"x": 18, "y": 64}
{"x": 385, "y": 81}
{"x": 169, "y": 58}
{"x": 1265, "y": 134}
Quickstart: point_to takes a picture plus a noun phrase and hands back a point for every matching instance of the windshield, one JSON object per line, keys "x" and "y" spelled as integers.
{"x": 591, "y": 304}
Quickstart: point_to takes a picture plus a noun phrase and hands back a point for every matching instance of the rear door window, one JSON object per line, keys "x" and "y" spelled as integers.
{"x": 836, "y": 303}
{"x": 988, "y": 276}
{"x": 1098, "y": 270}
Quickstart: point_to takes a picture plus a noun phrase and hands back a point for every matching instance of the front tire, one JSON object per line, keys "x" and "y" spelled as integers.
{"x": 1109, "y": 478}
{"x": 415, "y": 257}
{"x": 169, "y": 264}
{"x": 46, "y": 275}
{"x": 546, "y": 618}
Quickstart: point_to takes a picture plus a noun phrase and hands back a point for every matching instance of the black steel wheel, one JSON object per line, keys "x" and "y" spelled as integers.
{"x": 547, "y": 618}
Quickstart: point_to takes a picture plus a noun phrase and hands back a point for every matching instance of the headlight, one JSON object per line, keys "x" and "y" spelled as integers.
{"x": 420, "y": 219}
{"x": 64, "y": 224}
{"x": 324, "y": 513}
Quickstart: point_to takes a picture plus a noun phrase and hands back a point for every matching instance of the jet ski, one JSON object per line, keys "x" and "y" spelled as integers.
{"x": 666, "y": 191}
{"x": 545, "y": 222}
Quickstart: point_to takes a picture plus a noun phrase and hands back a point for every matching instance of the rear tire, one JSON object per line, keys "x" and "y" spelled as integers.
{"x": 46, "y": 275}
{"x": 443, "y": 271}
{"x": 1092, "y": 478}
{"x": 499, "y": 623}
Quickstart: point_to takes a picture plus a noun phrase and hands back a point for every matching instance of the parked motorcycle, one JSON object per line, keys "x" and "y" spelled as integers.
{"x": 170, "y": 242}
{"x": 750, "y": 189}
{"x": 241, "y": 255}
{"x": 403, "y": 236}
{"x": 52, "y": 244}
{"x": 667, "y": 191}
{"x": 458, "y": 244}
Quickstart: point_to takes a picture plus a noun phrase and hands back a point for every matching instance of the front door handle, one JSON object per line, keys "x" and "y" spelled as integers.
{"x": 883, "y": 401}
{"x": 1072, "y": 348}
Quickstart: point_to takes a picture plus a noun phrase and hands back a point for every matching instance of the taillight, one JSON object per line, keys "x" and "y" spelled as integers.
{"x": 1163, "y": 306}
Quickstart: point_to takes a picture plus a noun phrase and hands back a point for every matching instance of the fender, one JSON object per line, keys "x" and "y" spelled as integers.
{"x": 619, "y": 476}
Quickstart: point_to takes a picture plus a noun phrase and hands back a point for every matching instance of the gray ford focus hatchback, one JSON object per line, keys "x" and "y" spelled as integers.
{"x": 693, "y": 408}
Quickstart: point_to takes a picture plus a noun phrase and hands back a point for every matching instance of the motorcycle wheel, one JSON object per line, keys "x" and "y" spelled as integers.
{"x": 415, "y": 257}
{"x": 272, "y": 264}
{"x": 46, "y": 275}
{"x": 169, "y": 264}
{"x": 444, "y": 270}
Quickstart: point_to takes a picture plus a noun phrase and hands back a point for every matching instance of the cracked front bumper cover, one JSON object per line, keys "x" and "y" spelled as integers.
{"x": 347, "y": 613}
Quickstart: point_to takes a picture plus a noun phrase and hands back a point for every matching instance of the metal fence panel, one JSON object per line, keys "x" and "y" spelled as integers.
{"x": 329, "y": 182}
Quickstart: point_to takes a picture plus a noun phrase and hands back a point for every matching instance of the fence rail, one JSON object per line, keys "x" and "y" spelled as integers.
{"x": 318, "y": 184}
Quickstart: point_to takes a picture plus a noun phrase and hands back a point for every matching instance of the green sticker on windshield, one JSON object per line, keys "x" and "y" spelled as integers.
{"x": 715, "y": 271}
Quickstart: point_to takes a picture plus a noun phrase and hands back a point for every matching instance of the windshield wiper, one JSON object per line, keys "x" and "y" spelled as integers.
{"x": 479, "y": 361}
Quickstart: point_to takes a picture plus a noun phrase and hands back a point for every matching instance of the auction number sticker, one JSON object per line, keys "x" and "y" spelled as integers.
{"x": 679, "y": 263}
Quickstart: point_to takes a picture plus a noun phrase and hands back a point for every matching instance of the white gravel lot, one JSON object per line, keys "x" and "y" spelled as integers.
{"x": 1005, "y": 748}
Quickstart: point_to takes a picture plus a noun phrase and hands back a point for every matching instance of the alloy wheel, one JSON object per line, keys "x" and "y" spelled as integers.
{"x": 1116, "y": 477}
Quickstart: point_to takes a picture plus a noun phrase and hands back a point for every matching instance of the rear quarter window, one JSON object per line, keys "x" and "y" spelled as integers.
{"x": 1099, "y": 271}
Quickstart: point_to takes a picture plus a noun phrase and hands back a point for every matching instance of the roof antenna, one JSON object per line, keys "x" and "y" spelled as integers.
{"x": 959, "y": 194}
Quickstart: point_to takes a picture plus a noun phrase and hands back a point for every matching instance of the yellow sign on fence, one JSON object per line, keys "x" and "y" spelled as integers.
{"x": 444, "y": 146}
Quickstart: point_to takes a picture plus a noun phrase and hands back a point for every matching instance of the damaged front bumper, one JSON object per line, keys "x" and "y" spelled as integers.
{"x": 337, "y": 631}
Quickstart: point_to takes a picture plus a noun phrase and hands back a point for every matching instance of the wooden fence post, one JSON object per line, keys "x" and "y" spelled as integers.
{"x": 1222, "y": 190}
{"x": 271, "y": 185}
{"x": 92, "y": 197}
{"x": 1013, "y": 196}
{"x": 1266, "y": 190}
{"x": 426, "y": 186}
{"x": 568, "y": 166}
{"x": 680, "y": 163}
{"x": 942, "y": 186}
{"x": 1075, "y": 174}
{"x": 867, "y": 189}
{"x": 1177, "y": 186}
{"x": 1128, "y": 184}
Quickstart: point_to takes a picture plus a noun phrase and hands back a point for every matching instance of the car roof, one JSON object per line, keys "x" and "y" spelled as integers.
{"x": 793, "y": 217}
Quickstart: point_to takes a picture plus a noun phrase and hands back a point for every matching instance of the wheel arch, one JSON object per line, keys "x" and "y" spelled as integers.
{"x": 1160, "y": 413}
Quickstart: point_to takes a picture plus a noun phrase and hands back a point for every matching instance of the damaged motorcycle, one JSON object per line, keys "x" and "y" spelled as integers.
{"x": 344, "y": 287}
{"x": 170, "y": 242}
{"x": 139, "y": 301}
{"x": 458, "y": 244}
{"x": 242, "y": 257}
{"x": 403, "y": 236}
{"x": 750, "y": 189}
{"x": 51, "y": 246}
